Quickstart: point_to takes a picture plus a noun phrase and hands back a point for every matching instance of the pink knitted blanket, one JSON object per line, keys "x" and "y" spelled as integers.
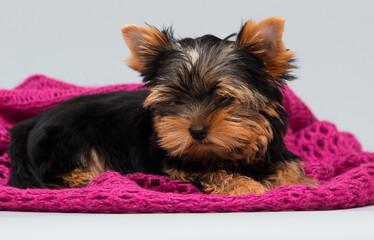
{"x": 335, "y": 159}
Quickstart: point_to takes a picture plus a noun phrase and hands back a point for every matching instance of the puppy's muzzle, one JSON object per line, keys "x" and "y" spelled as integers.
{"x": 198, "y": 132}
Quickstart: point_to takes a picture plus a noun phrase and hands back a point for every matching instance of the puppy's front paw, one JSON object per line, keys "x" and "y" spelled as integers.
{"x": 289, "y": 173}
{"x": 246, "y": 187}
{"x": 231, "y": 184}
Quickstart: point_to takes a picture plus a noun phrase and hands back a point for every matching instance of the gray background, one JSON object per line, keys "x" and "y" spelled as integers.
{"x": 80, "y": 42}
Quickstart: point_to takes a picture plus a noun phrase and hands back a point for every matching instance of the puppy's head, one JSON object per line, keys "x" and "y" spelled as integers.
{"x": 214, "y": 98}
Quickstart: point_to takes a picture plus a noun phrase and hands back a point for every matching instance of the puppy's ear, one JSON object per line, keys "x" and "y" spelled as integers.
{"x": 144, "y": 44}
{"x": 264, "y": 39}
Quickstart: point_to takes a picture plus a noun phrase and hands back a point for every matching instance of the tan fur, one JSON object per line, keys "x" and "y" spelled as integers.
{"x": 239, "y": 132}
{"x": 229, "y": 136}
{"x": 290, "y": 173}
{"x": 221, "y": 182}
{"x": 174, "y": 173}
{"x": 270, "y": 109}
{"x": 155, "y": 96}
{"x": 94, "y": 165}
{"x": 142, "y": 41}
{"x": 231, "y": 88}
{"x": 231, "y": 184}
{"x": 227, "y": 183}
{"x": 78, "y": 178}
{"x": 169, "y": 129}
{"x": 266, "y": 40}
{"x": 250, "y": 134}
{"x": 194, "y": 56}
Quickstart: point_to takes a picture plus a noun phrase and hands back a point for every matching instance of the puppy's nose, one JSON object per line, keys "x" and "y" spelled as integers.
{"x": 198, "y": 132}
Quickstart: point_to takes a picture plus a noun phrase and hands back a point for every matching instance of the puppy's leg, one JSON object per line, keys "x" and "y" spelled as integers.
{"x": 220, "y": 182}
{"x": 78, "y": 178}
{"x": 223, "y": 182}
{"x": 288, "y": 173}
{"x": 93, "y": 165}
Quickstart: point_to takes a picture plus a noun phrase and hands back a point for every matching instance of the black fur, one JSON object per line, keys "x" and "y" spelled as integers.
{"x": 51, "y": 143}
{"x": 117, "y": 125}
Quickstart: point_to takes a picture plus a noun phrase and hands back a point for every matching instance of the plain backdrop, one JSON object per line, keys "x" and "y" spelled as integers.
{"x": 80, "y": 42}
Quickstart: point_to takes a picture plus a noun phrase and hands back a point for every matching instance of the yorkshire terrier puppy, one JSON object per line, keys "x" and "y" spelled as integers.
{"x": 211, "y": 115}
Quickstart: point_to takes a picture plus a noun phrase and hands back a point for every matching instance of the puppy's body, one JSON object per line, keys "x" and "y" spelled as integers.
{"x": 212, "y": 116}
{"x": 113, "y": 125}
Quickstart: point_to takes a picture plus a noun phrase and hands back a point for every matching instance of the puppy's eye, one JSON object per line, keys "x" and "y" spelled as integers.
{"x": 225, "y": 101}
{"x": 174, "y": 102}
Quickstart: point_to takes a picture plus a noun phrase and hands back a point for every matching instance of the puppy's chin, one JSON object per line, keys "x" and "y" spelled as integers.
{"x": 202, "y": 151}
{"x": 206, "y": 151}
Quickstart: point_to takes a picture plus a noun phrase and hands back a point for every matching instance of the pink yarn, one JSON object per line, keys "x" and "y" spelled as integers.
{"x": 333, "y": 158}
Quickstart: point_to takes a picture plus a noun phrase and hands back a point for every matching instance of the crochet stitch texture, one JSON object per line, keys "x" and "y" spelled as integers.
{"x": 335, "y": 159}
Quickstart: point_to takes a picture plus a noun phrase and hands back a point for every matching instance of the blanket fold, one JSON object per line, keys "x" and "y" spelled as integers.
{"x": 335, "y": 159}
